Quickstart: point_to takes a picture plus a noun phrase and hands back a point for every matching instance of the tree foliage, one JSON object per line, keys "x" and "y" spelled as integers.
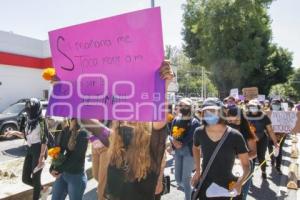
{"x": 232, "y": 39}
{"x": 189, "y": 76}
{"x": 289, "y": 89}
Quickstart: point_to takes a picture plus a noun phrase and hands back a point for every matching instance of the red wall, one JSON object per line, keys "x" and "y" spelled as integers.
{"x": 25, "y": 61}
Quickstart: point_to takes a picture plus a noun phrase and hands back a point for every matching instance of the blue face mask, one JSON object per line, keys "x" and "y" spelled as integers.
{"x": 211, "y": 118}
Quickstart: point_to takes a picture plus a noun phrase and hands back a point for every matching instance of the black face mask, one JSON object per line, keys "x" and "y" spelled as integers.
{"x": 185, "y": 111}
{"x": 126, "y": 134}
{"x": 235, "y": 126}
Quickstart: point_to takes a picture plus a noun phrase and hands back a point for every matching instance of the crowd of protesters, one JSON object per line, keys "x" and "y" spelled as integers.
{"x": 129, "y": 157}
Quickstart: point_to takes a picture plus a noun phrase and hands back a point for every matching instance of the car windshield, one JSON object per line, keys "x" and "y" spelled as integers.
{"x": 14, "y": 109}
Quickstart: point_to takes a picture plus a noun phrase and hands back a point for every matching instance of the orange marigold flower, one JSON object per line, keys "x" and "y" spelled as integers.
{"x": 48, "y": 74}
{"x": 170, "y": 117}
{"x": 54, "y": 152}
{"x": 231, "y": 185}
{"x": 177, "y": 132}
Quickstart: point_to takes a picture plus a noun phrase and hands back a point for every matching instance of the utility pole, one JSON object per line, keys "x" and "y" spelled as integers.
{"x": 152, "y": 3}
{"x": 202, "y": 83}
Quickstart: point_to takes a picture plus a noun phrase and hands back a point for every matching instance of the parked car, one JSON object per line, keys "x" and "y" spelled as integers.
{"x": 10, "y": 117}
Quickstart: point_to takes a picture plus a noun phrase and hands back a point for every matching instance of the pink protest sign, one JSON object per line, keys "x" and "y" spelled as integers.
{"x": 109, "y": 68}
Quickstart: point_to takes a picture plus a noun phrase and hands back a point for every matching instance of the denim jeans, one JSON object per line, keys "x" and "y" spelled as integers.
{"x": 184, "y": 165}
{"x": 69, "y": 184}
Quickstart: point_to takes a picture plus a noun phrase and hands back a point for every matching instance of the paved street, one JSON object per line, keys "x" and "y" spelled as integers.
{"x": 273, "y": 188}
{"x": 11, "y": 149}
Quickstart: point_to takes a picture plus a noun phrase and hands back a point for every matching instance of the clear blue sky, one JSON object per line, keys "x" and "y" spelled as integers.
{"x": 34, "y": 18}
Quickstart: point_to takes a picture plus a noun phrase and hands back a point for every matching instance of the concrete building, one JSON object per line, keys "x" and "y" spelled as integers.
{"x": 22, "y": 60}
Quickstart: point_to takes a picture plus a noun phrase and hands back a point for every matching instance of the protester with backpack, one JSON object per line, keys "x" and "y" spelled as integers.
{"x": 219, "y": 145}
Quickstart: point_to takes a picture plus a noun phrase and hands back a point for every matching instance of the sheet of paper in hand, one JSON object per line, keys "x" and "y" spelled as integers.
{"x": 109, "y": 68}
{"x": 214, "y": 190}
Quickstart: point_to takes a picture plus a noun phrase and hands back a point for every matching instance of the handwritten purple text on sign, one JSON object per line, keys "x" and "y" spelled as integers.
{"x": 107, "y": 66}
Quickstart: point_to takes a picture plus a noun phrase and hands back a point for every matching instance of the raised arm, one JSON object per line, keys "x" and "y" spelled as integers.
{"x": 92, "y": 125}
{"x": 166, "y": 73}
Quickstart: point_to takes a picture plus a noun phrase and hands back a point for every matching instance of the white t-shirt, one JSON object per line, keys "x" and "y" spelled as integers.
{"x": 33, "y": 136}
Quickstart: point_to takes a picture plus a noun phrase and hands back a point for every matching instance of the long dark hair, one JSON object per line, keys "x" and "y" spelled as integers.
{"x": 74, "y": 131}
{"x": 244, "y": 126}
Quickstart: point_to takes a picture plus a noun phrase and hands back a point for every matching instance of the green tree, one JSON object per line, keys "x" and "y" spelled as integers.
{"x": 189, "y": 76}
{"x": 190, "y": 81}
{"x": 289, "y": 89}
{"x": 232, "y": 39}
{"x": 283, "y": 90}
{"x": 295, "y": 81}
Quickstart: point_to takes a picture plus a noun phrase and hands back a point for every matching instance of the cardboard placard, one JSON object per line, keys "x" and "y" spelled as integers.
{"x": 285, "y": 121}
{"x": 250, "y": 93}
{"x": 235, "y": 93}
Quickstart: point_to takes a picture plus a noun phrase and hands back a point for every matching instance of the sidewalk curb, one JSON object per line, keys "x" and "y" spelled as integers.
{"x": 27, "y": 194}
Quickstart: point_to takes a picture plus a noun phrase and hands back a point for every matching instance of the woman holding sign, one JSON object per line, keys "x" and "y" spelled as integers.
{"x": 135, "y": 153}
{"x": 276, "y": 161}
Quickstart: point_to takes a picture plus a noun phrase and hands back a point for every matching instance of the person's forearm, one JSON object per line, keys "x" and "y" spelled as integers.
{"x": 272, "y": 135}
{"x": 161, "y": 175}
{"x": 92, "y": 125}
{"x": 196, "y": 154}
{"x": 252, "y": 149}
{"x": 246, "y": 169}
{"x": 159, "y": 125}
{"x": 18, "y": 134}
{"x": 43, "y": 150}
